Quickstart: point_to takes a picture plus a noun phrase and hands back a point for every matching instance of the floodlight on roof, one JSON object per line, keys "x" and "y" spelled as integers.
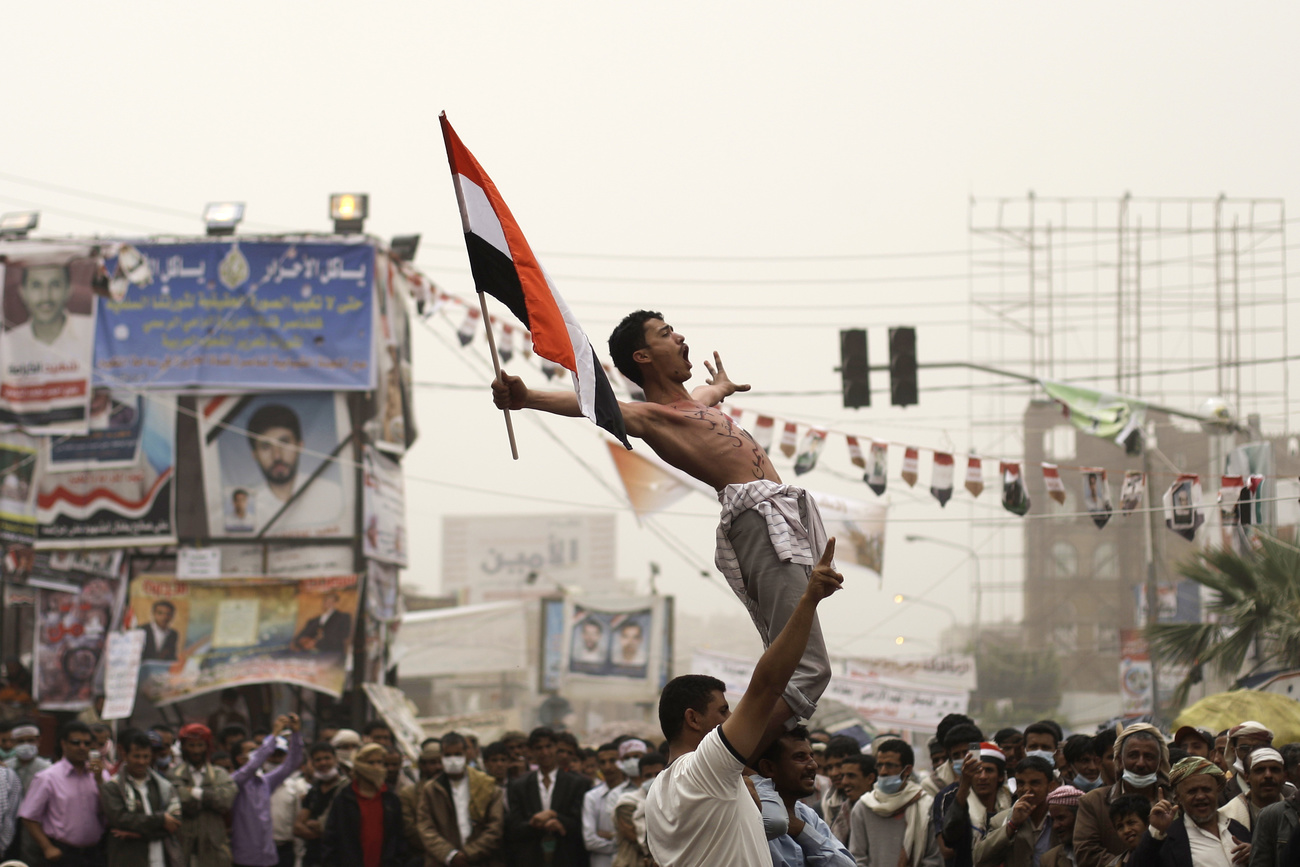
{"x": 403, "y": 247}
{"x": 17, "y": 224}
{"x": 221, "y": 218}
{"x": 349, "y": 212}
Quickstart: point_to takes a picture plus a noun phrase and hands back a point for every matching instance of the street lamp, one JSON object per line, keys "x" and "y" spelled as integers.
{"x": 975, "y": 558}
{"x": 899, "y": 599}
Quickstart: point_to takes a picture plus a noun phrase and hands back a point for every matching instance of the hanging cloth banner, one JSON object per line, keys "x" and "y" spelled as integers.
{"x": 941, "y": 478}
{"x": 877, "y": 473}
{"x": 1182, "y": 506}
{"x": 735, "y": 415}
{"x": 550, "y": 368}
{"x": 909, "y": 466}
{"x": 1101, "y": 414}
{"x": 1096, "y": 495}
{"x": 1015, "y": 499}
{"x": 528, "y": 344}
{"x": 1052, "y": 480}
{"x": 1130, "y": 495}
{"x": 1234, "y": 505}
{"x": 468, "y": 328}
{"x": 855, "y": 453}
{"x": 974, "y": 476}
{"x": 763, "y": 429}
{"x": 506, "y": 343}
{"x": 789, "y": 437}
{"x": 809, "y": 450}
{"x": 651, "y": 484}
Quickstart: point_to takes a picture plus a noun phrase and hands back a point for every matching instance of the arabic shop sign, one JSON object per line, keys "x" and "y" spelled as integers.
{"x": 234, "y": 315}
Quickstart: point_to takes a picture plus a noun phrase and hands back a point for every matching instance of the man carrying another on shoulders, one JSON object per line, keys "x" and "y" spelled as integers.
{"x": 699, "y": 811}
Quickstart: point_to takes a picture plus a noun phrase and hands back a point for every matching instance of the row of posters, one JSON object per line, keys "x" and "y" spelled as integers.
{"x": 618, "y": 647}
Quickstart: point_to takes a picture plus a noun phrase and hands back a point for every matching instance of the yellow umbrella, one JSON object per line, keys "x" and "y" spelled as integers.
{"x": 1226, "y": 709}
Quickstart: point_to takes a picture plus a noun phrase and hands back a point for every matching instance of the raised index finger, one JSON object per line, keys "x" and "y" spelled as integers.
{"x": 828, "y": 554}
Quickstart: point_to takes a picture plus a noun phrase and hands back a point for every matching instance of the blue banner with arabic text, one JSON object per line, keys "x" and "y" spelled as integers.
{"x": 229, "y": 315}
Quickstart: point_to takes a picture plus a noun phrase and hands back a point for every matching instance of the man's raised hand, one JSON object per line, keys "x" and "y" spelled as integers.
{"x": 509, "y": 392}
{"x": 718, "y": 377}
{"x": 824, "y": 580}
{"x": 1162, "y": 812}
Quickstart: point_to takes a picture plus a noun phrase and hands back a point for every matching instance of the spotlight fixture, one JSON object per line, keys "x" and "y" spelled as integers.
{"x": 349, "y": 212}
{"x": 18, "y": 223}
{"x": 221, "y": 218}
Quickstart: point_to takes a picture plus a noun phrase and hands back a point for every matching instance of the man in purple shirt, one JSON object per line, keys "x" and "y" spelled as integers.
{"x": 251, "y": 842}
{"x": 61, "y": 811}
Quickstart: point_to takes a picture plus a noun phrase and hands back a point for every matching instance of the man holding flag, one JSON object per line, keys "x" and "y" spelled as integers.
{"x": 770, "y": 535}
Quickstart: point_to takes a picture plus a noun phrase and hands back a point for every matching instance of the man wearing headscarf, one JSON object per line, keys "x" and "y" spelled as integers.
{"x": 1062, "y": 806}
{"x": 1266, "y": 776}
{"x": 206, "y": 793}
{"x": 1243, "y": 739}
{"x": 1201, "y": 838}
{"x": 1143, "y": 757}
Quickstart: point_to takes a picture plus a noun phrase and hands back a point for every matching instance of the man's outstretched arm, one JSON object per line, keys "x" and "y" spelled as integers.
{"x": 718, "y": 386}
{"x": 510, "y": 392}
{"x": 746, "y": 727}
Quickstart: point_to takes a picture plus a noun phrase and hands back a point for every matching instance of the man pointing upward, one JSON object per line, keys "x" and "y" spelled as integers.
{"x": 770, "y": 535}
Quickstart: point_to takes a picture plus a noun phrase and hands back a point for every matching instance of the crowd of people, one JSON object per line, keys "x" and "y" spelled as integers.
{"x": 1035, "y": 797}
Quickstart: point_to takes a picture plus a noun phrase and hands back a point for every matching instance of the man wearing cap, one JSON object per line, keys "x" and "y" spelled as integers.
{"x": 1273, "y": 830}
{"x": 206, "y": 794}
{"x": 1202, "y": 838}
{"x": 345, "y": 742}
{"x": 1194, "y": 741}
{"x": 25, "y": 762}
{"x": 1143, "y": 758}
{"x": 980, "y": 795}
{"x": 598, "y": 831}
{"x": 1243, "y": 739}
{"x": 460, "y": 815}
{"x": 1062, "y": 807}
{"x": 1266, "y": 775}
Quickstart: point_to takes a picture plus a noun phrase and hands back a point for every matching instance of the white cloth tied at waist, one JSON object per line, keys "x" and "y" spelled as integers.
{"x": 779, "y": 505}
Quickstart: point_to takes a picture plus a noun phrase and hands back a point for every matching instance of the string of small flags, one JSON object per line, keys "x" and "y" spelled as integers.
{"x": 1183, "y": 507}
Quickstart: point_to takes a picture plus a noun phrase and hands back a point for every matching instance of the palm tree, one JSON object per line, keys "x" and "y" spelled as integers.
{"x": 1255, "y": 606}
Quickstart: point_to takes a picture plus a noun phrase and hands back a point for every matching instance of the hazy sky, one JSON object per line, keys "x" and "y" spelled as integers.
{"x": 665, "y": 131}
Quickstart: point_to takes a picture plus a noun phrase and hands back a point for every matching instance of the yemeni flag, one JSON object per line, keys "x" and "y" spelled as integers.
{"x": 505, "y": 268}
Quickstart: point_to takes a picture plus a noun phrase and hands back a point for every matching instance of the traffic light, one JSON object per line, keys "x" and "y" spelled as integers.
{"x": 855, "y": 379}
{"x": 902, "y": 366}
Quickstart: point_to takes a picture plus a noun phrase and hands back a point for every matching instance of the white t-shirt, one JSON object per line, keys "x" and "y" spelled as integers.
{"x": 699, "y": 811}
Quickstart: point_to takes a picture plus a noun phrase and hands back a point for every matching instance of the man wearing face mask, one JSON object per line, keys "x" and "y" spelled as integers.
{"x": 460, "y": 814}
{"x": 1243, "y": 739}
{"x": 327, "y": 780}
{"x": 25, "y": 762}
{"x": 957, "y": 750}
{"x": 206, "y": 794}
{"x": 1042, "y": 739}
{"x": 980, "y": 795}
{"x": 890, "y": 825}
{"x": 346, "y": 742}
{"x": 1144, "y": 760}
{"x": 598, "y": 831}
{"x": 1083, "y": 761}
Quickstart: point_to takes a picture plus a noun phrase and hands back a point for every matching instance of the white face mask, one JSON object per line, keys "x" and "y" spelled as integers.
{"x": 326, "y": 776}
{"x": 25, "y": 752}
{"x": 1043, "y": 754}
{"x": 630, "y": 767}
{"x": 453, "y": 765}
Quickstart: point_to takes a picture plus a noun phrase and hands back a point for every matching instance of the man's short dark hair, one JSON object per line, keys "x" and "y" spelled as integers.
{"x": 841, "y": 746}
{"x": 865, "y": 764}
{"x": 568, "y": 739}
{"x": 1044, "y": 727}
{"x": 629, "y": 336}
{"x": 321, "y": 747}
{"x": 901, "y": 747}
{"x": 451, "y": 739}
{"x": 1290, "y": 755}
{"x": 539, "y": 734}
{"x": 73, "y": 727}
{"x": 961, "y": 734}
{"x": 687, "y": 692}
{"x": 1036, "y": 763}
{"x": 165, "y": 603}
{"x": 1078, "y": 746}
{"x": 137, "y": 740}
{"x": 496, "y": 748}
{"x": 1007, "y": 735}
{"x": 946, "y": 724}
{"x": 162, "y": 727}
{"x": 584, "y": 754}
{"x": 777, "y": 749}
{"x": 1130, "y": 805}
{"x": 274, "y": 415}
{"x": 375, "y": 725}
{"x": 650, "y": 759}
{"x": 231, "y": 731}
{"x": 1104, "y": 742}
{"x": 606, "y": 748}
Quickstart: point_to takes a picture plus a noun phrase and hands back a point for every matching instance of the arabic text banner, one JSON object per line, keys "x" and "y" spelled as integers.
{"x": 242, "y": 315}
{"x": 202, "y": 636}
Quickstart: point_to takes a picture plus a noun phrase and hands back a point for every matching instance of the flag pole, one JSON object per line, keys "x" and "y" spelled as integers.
{"x": 496, "y": 365}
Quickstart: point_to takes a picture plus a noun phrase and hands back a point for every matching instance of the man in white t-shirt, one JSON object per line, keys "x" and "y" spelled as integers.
{"x": 699, "y": 810}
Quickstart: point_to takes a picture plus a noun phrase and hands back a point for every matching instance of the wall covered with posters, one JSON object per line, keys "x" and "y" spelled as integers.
{"x": 200, "y": 441}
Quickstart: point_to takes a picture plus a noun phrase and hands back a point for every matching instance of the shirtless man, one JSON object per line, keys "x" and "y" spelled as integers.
{"x": 770, "y": 535}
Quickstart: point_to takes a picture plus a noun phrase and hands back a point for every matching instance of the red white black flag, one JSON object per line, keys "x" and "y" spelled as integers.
{"x": 504, "y": 267}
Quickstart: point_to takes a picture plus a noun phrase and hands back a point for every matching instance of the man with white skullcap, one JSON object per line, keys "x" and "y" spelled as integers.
{"x": 1243, "y": 739}
{"x": 1266, "y": 776}
{"x": 25, "y": 762}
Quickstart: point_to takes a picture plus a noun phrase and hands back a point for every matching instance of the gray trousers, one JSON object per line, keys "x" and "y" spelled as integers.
{"x": 772, "y": 591}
